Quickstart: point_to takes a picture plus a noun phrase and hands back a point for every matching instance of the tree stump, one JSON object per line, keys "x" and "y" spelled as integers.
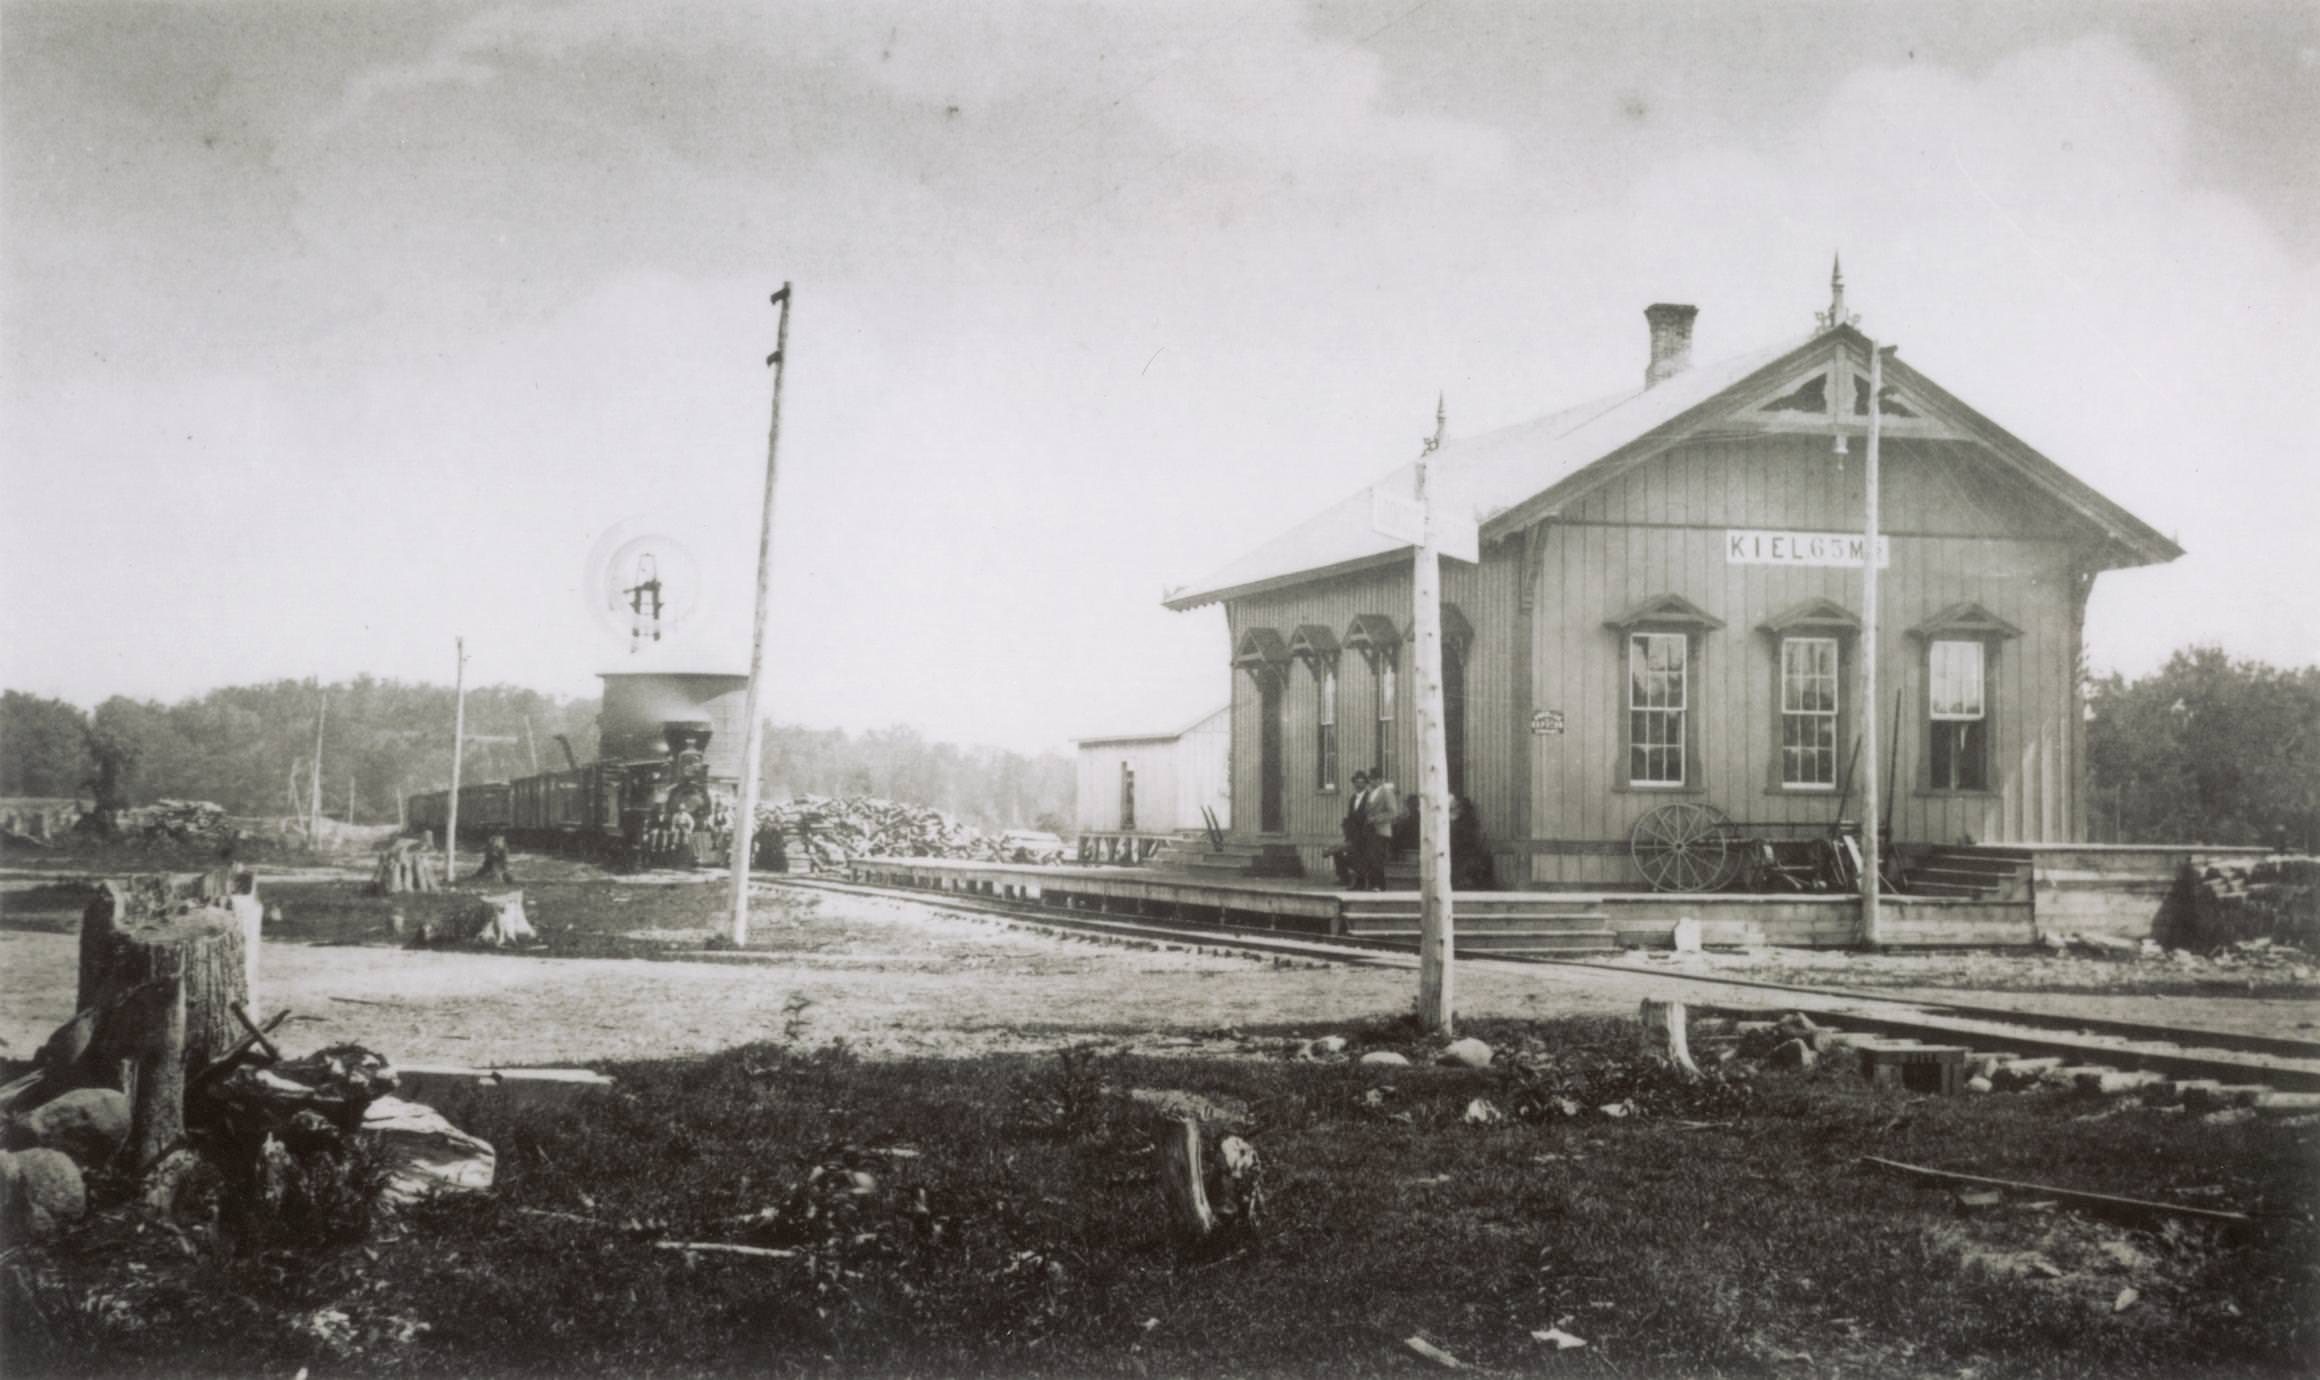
{"x": 1665, "y": 1033}
{"x": 1182, "y": 1183}
{"x": 404, "y": 865}
{"x": 158, "y": 929}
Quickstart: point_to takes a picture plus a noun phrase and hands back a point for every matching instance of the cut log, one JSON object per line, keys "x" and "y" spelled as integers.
{"x": 1664, "y": 1031}
{"x": 149, "y": 929}
{"x": 1181, "y": 1181}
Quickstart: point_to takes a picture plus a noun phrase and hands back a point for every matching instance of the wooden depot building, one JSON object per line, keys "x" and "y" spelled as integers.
{"x": 1667, "y": 609}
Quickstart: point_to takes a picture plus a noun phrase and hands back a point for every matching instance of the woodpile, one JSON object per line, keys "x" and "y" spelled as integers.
{"x": 186, "y": 821}
{"x": 825, "y": 831}
{"x": 405, "y": 865}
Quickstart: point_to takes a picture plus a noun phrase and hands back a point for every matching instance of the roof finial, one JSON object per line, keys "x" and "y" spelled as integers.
{"x": 1836, "y": 315}
{"x": 1441, "y": 423}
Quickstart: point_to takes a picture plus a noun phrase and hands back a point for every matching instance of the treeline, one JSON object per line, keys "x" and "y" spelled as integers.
{"x": 2205, "y": 750}
{"x": 250, "y": 748}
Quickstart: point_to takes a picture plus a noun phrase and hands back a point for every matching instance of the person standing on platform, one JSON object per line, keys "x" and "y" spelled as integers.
{"x": 1381, "y": 804}
{"x": 1352, "y": 869}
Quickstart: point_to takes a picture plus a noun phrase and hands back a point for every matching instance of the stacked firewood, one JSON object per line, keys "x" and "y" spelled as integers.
{"x": 827, "y": 830}
{"x": 183, "y": 820}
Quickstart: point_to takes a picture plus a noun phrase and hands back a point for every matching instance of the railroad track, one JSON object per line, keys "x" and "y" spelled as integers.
{"x": 2009, "y": 1046}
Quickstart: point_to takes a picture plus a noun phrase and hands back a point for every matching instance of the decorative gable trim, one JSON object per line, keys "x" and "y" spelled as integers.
{"x": 1822, "y": 616}
{"x": 1964, "y": 620}
{"x": 1666, "y": 611}
{"x": 1314, "y": 645}
{"x": 1457, "y": 632}
{"x": 1261, "y": 649}
{"x": 1374, "y": 636}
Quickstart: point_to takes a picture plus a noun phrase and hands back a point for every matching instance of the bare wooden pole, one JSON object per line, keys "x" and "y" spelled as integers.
{"x": 1872, "y": 929}
{"x": 1436, "y": 997}
{"x": 532, "y": 741}
{"x": 314, "y": 809}
{"x": 458, "y": 750}
{"x": 753, "y": 738}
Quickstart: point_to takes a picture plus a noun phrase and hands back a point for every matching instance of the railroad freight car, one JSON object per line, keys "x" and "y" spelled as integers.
{"x": 662, "y": 791}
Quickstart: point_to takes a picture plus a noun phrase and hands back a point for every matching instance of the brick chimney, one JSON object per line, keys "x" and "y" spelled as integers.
{"x": 1671, "y": 340}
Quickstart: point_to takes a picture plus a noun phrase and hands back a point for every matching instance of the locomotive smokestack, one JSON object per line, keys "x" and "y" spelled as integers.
{"x": 680, "y": 734}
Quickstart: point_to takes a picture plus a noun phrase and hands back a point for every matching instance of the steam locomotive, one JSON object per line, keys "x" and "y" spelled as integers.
{"x": 632, "y": 809}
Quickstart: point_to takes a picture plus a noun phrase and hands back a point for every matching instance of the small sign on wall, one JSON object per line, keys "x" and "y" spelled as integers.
{"x": 1752, "y": 547}
{"x": 1547, "y": 723}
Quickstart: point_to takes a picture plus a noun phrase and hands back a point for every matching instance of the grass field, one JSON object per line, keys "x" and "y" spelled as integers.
{"x": 1719, "y": 1228}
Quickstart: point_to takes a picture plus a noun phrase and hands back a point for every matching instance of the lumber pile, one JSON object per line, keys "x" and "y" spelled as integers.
{"x": 186, "y": 821}
{"x": 2245, "y": 908}
{"x": 825, "y": 831}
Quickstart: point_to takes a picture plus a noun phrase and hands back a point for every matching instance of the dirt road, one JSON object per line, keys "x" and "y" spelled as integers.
{"x": 894, "y": 976}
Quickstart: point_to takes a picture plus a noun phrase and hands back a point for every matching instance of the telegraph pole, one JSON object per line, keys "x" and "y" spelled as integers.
{"x": 753, "y": 739}
{"x": 458, "y": 746}
{"x": 1872, "y": 882}
{"x": 1435, "y": 988}
{"x": 314, "y": 809}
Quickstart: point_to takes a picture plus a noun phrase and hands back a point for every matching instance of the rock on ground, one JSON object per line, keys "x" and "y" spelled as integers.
{"x": 89, "y": 1124}
{"x": 1467, "y": 1053}
{"x": 45, "y": 1192}
{"x": 1385, "y": 1058}
{"x": 427, "y": 1153}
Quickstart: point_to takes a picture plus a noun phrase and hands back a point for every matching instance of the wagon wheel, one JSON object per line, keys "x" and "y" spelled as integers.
{"x": 1682, "y": 847}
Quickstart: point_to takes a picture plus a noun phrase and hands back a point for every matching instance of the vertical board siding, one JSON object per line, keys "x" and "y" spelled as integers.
{"x": 1958, "y": 530}
{"x": 1679, "y": 505}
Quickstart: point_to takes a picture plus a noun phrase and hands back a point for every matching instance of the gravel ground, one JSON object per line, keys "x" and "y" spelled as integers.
{"x": 904, "y": 978}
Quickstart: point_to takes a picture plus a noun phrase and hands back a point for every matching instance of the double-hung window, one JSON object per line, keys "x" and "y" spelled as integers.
{"x": 1382, "y": 754}
{"x": 1957, "y": 704}
{"x": 1658, "y": 702}
{"x": 1808, "y": 712}
{"x": 1325, "y": 746}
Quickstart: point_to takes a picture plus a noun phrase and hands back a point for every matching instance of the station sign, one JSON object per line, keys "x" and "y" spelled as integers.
{"x": 1754, "y": 547}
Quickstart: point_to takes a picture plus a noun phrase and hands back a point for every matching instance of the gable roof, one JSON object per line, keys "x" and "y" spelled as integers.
{"x": 1518, "y": 474}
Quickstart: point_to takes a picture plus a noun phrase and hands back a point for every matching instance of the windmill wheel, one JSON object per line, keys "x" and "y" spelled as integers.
{"x": 1682, "y": 847}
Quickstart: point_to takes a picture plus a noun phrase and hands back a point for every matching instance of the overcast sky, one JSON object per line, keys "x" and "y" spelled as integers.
{"x": 333, "y": 330}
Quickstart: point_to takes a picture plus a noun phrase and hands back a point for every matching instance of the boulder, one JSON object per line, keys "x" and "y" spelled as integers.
{"x": 1979, "y": 1084}
{"x": 1468, "y": 1053}
{"x": 1325, "y": 1046}
{"x": 1385, "y": 1058}
{"x": 45, "y": 1192}
{"x": 89, "y": 1124}
{"x": 1482, "y": 1112}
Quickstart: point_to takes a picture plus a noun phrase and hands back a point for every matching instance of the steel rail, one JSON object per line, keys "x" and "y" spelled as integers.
{"x": 2282, "y": 1062}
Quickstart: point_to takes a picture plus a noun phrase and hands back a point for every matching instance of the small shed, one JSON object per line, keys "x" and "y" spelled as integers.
{"x": 1137, "y": 791}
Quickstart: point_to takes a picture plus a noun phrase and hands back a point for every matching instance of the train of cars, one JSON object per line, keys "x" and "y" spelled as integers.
{"x": 654, "y": 810}
{"x": 663, "y": 789}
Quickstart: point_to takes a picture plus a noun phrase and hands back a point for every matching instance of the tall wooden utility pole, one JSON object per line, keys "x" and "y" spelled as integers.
{"x": 314, "y": 810}
{"x": 753, "y": 738}
{"x": 1872, "y": 882}
{"x": 532, "y": 741}
{"x": 1435, "y": 987}
{"x": 458, "y": 750}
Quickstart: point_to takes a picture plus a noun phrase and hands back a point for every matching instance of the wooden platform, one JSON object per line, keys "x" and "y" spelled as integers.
{"x": 1544, "y": 923}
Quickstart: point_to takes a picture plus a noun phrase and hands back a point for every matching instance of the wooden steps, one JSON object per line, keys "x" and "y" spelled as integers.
{"x": 1244, "y": 858}
{"x": 1980, "y": 874}
{"x": 1485, "y": 922}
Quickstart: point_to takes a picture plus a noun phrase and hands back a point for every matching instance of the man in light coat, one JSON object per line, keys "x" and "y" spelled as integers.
{"x": 1378, "y": 807}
